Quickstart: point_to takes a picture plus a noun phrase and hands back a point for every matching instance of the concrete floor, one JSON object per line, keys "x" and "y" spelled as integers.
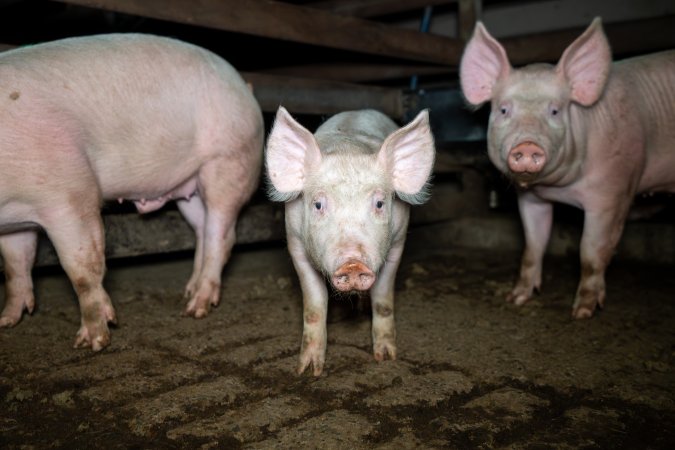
{"x": 473, "y": 371}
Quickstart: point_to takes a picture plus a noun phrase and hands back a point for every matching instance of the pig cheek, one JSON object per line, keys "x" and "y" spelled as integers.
{"x": 497, "y": 150}
{"x": 317, "y": 235}
{"x": 557, "y": 133}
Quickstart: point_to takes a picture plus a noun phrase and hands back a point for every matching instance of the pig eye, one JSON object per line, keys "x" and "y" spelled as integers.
{"x": 553, "y": 110}
{"x": 379, "y": 202}
{"x": 319, "y": 204}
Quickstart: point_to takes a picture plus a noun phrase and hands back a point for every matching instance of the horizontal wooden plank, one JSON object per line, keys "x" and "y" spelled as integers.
{"x": 521, "y": 18}
{"x": 286, "y": 21}
{"x": 165, "y": 231}
{"x": 652, "y": 243}
{"x": 373, "y": 8}
{"x": 130, "y": 234}
{"x": 624, "y": 38}
{"x": 356, "y": 73}
{"x": 309, "y": 96}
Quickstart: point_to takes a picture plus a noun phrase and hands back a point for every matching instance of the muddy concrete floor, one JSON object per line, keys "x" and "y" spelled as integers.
{"x": 473, "y": 371}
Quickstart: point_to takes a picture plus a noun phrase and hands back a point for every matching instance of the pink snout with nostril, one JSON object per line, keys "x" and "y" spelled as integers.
{"x": 353, "y": 276}
{"x": 526, "y": 157}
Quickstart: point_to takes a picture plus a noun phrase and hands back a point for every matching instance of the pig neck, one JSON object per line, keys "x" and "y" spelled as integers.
{"x": 594, "y": 153}
{"x": 569, "y": 164}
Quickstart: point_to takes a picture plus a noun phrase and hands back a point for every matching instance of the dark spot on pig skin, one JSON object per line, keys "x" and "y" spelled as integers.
{"x": 82, "y": 285}
{"x": 312, "y": 317}
{"x": 15, "y": 95}
{"x": 382, "y": 310}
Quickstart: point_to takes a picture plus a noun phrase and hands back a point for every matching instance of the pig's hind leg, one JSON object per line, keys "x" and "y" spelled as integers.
{"x": 224, "y": 187}
{"x": 602, "y": 231}
{"x": 194, "y": 213}
{"x": 77, "y": 234}
{"x": 18, "y": 252}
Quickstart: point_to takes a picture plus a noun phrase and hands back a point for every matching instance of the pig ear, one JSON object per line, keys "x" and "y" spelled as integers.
{"x": 586, "y": 64}
{"x": 291, "y": 151}
{"x": 408, "y": 155}
{"x": 483, "y": 63}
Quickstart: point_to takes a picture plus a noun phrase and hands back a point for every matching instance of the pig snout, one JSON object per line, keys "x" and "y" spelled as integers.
{"x": 353, "y": 276}
{"x": 526, "y": 157}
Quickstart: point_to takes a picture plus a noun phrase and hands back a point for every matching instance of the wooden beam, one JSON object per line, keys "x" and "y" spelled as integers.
{"x": 355, "y": 73}
{"x": 279, "y": 20}
{"x": 309, "y": 96}
{"x": 130, "y": 234}
{"x": 625, "y": 38}
{"x": 165, "y": 231}
{"x": 373, "y": 8}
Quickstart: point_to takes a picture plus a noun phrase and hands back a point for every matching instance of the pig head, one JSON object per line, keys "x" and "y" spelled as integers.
{"x": 347, "y": 189}
{"x": 586, "y": 132}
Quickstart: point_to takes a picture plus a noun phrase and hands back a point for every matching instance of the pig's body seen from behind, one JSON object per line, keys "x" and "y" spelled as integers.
{"x": 585, "y": 132}
{"x": 346, "y": 219}
{"x": 114, "y": 117}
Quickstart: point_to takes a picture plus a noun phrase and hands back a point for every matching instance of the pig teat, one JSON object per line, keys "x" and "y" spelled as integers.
{"x": 526, "y": 157}
{"x": 353, "y": 276}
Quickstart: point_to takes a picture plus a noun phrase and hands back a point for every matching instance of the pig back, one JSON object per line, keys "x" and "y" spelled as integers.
{"x": 137, "y": 105}
{"x": 627, "y": 134}
{"x": 361, "y": 131}
{"x": 649, "y": 87}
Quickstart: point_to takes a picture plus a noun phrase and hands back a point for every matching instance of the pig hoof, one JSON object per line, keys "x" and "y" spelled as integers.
{"x": 383, "y": 352}
{"x": 307, "y": 359}
{"x": 192, "y": 310}
{"x": 582, "y": 312}
{"x": 519, "y": 296}
{"x": 200, "y": 304}
{"x": 317, "y": 369}
{"x": 97, "y": 343}
{"x": 8, "y": 322}
{"x": 201, "y": 312}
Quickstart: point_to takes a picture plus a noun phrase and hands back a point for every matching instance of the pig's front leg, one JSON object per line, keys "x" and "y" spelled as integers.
{"x": 537, "y": 217}
{"x": 18, "y": 253}
{"x": 602, "y": 231}
{"x": 315, "y": 307}
{"x": 382, "y": 299}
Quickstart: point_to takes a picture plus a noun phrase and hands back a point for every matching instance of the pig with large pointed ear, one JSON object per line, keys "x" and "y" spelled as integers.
{"x": 586, "y": 132}
{"x": 347, "y": 190}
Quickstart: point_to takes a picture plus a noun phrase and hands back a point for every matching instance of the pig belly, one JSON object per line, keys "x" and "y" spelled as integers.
{"x": 659, "y": 176}
{"x": 569, "y": 195}
{"x": 183, "y": 191}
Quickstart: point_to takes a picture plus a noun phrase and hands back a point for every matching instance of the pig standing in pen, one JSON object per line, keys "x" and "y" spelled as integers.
{"x": 585, "y": 132}
{"x": 347, "y": 190}
{"x": 114, "y": 117}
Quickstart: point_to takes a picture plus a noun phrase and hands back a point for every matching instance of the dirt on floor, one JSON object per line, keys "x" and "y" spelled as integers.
{"x": 473, "y": 371}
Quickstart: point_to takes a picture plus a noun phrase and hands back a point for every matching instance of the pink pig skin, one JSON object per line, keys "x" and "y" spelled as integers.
{"x": 114, "y": 117}
{"x": 585, "y": 132}
{"x": 347, "y": 190}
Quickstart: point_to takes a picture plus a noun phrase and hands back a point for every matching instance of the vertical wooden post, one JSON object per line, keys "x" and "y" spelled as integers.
{"x": 469, "y": 12}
